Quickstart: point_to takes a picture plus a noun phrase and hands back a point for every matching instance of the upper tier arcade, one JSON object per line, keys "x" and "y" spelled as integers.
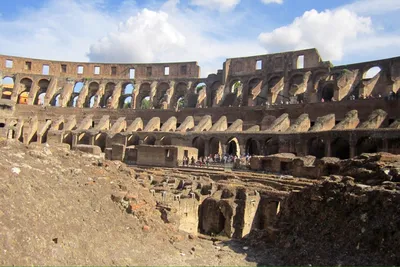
{"x": 283, "y": 78}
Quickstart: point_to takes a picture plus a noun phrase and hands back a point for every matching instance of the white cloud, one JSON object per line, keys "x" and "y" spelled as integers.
{"x": 328, "y": 31}
{"x": 373, "y": 7}
{"x": 272, "y": 1}
{"x": 142, "y": 38}
{"x": 172, "y": 34}
{"x": 223, "y": 5}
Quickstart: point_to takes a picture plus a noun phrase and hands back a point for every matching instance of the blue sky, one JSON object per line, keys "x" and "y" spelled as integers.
{"x": 207, "y": 31}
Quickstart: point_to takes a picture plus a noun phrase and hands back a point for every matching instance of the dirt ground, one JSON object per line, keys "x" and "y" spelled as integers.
{"x": 56, "y": 208}
{"x": 61, "y": 207}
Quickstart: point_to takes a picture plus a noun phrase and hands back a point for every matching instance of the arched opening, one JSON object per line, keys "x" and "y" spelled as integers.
{"x": 371, "y": 73}
{"x": 133, "y": 140}
{"x": 328, "y": 92}
{"x": 145, "y": 103}
{"x": 215, "y": 147}
{"x": 92, "y": 101}
{"x": 43, "y": 85}
{"x": 26, "y": 85}
{"x": 166, "y": 141}
{"x": 316, "y": 147}
{"x": 40, "y": 99}
{"x": 199, "y": 143}
{"x": 8, "y": 86}
{"x": 75, "y": 101}
{"x": 161, "y": 96}
{"x": 200, "y": 87}
{"x": 127, "y": 102}
{"x": 150, "y": 140}
{"x": 106, "y": 99}
{"x": 252, "y": 147}
{"x": 55, "y": 102}
{"x": 340, "y": 148}
{"x": 91, "y": 98}
{"x": 211, "y": 219}
{"x": 235, "y": 87}
{"x": 78, "y": 87}
{"x": 180, "y": 104}
{"x": 271, "y": 146}
{"x": 253, "y": 84}
{"x": 128, "y": 89}
{"x": 232, "y": 147}
{"x": 367, "y": 145}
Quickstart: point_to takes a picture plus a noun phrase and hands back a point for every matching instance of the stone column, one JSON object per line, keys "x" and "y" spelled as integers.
{"x": 328, "y": 150}
{"x": 206, "y": 147}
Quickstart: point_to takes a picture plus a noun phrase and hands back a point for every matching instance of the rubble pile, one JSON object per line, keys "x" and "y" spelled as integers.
{"x": 341, "y": 222}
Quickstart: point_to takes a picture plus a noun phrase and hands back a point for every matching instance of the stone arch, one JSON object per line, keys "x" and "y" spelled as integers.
{"x": 8, "y": 86}
{"x": 133, "y": 140}
{"x": 179, "y": 94}
{"x": 160, "y": 96}
{"x": 92, "y": 94}
{"x": 105, "y": 101}
{"x": 166, "y": 141}
{"x": 41, "y": 93}
{"x": 316, "y": 147}
{"x": 211, "y": 219}
{"x": 78, "y": 87}
{"x": 150, "y": 140}
{"x": 367, "y": 145}
{"x": 215, "y": 146}
{"x": 233, "y": 147}
{"x": 74, "y": 100}
{"x": 327, "y": 92}
{"x": 214, "y": 89}
{"x": 128, "y": 88}
{"x": 26, "y": 85}
{"x": 340, "y": 148}
{"x": 248, "y": 96}
{"x": 271, "y": 146}
{"x": 371, "y": 72}
{"x": 235, "y": 85}
{"x": 144, "y": 93}
{"x": 126, "y": 101}
{"x": 55, "y": 101}
{"x": 199, "y": 143}
{"x": 253, "y": 147}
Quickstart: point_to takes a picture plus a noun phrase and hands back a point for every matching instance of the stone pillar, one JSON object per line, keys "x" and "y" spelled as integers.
{"x": 206, "y": 147}
{"x": 135, "y": 94}
{"x": 153, "y": 91}
{"x": 352, "y": 143}
{"x": 328, "y": 151}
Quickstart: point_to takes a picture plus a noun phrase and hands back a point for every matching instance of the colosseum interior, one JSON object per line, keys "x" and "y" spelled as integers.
{"x": 294, "y": 113}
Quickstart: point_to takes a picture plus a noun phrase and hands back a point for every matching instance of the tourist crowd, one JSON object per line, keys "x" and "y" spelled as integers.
{"x": 215, "y": 159}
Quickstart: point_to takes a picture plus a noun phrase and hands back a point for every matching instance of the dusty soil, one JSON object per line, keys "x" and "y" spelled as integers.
{"x": 60, "y": 207}
{"x": 56, "y": 208}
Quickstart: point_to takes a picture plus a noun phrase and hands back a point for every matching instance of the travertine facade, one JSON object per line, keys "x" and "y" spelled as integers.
{"x": 281, "y": 103}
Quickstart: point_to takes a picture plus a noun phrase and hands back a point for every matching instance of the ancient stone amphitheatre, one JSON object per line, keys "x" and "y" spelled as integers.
{"x": 278, "y": 159}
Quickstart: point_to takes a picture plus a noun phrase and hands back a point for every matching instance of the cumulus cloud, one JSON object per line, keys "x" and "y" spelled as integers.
{"x": 373, "y": 7}
{"x": 173, "y": 34}
{"x": 329, "y": 31}
{"x": 223, "y": 5}
{"x": 272, "y": 1}
{"x": 142, "y": 38}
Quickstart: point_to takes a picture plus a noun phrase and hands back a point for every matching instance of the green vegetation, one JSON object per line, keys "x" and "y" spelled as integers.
{"x": 145, "y": 104}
